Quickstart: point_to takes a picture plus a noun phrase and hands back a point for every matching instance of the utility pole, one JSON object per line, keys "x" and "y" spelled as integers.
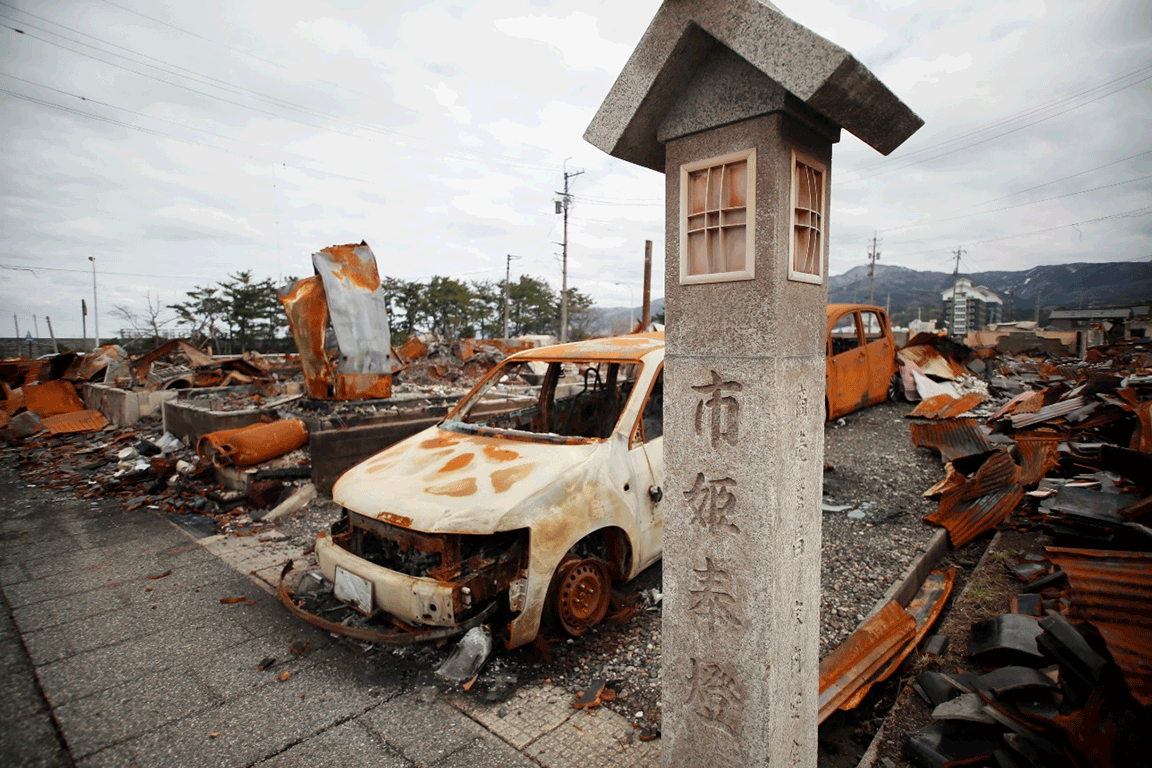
{"x": 1039, "y": 293}
{"x": 507, "y": 290}
{"x": 646, "y": 311}
{"x": 873, "y": 254}
{"x": 955, "y": 297}
{"x": 95, "y": 306}
{"x": 84, "y": 320}
{"x": 562, "y": 206}
{"x": 52, "y": 333}
{"x": 16, "y": 320}
{"x": 36, "y": 324}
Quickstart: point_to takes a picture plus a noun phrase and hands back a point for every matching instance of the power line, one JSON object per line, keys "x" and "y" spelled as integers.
{"x": 234, "y": 89}
{"x": 249, "y": 54}
{"x": 239, "y": 90}
{"x": 102, "y": 272}
{"x": 1018, "y": 205}
{"x": 405, "y": 183}
{"x": 1032, "y": 188}
{"x": 1135, "y": 212}
{"x": 1014, "y": 117}
{"x": 990, "y": 138}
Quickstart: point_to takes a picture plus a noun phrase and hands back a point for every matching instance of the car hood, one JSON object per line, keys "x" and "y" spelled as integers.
{"x": 439, "y": 481}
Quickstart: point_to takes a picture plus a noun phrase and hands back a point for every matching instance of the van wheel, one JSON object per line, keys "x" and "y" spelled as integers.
{"x": 581, "y": 592}
{"x": 896, "y": 388}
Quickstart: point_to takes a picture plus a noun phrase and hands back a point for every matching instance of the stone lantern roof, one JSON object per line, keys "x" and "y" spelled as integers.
{"x": 706, "y": 63}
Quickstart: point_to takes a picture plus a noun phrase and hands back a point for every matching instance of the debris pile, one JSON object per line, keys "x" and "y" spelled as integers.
{"x": 355, "y": 360}
{"x": 179, "y": 365}
{"x": 1067, "y": 456}
{"x": 430, "y": 360}
{"x": 140, "y": 466}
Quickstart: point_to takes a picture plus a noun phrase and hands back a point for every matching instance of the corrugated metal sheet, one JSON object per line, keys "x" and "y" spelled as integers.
{"x": 982, "y": 502}
{"x": 858, "y": 658}
{"x": 946, "y": 406}
{"x": 1038, "y": 458}
{"x": 1113, "y": 591}
{"x": 52, "y": 398}
{"x": 954, "y": 439}
{"x": 1011, "y": 405}
{"x": 80, "y": 421}
{"x": 357, "y": 308}
{"x": 1053, "y": 411}
{"x": 932, "y": 362}
{"x": 924, "y": 608}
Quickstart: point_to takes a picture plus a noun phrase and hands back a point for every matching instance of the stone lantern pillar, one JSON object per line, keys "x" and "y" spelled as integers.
{"x": 739, "y": 107}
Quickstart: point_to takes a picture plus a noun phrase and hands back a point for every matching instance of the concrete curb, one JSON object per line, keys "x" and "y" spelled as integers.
{"x": 909, "y": 583}
{"x": 868, "y": 760}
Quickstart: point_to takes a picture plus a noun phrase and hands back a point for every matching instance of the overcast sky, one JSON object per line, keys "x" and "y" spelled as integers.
{"x": 178, "y": 142}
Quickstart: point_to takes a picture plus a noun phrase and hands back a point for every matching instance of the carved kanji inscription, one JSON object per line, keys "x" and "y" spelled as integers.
{"x": 721, "y": 423}
{"x": 716, "y": 696}
{"x": 712, "y": 600}
{"x": 712, "y": 501}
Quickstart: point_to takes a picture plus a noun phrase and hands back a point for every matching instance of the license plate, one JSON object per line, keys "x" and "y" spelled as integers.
{"x": 354, "y": 590}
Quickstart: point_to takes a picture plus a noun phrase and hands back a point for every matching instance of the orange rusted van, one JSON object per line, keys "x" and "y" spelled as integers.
{"x": 861, "y": 368}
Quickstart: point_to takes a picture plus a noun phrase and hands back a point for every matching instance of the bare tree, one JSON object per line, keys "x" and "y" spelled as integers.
{"x": 147, "y": 320}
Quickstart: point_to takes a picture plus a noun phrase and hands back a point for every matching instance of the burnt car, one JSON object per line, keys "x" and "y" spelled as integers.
{"x": 523, "y": 505}
{"x": 861, "y": 368}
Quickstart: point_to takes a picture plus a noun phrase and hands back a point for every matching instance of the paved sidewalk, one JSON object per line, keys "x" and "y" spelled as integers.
{"x": 103, "y": 665}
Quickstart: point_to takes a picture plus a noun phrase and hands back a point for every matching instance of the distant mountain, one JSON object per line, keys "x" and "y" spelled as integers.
{"x": 1067, "y": 286}
{"x": 906, "y": 290}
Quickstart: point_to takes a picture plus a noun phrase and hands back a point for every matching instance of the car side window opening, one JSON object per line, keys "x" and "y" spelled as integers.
{"x": 652, "y": 420}
{"x": 581, "y": 399}
{"x": 873, "y": 329}
{"x": 844, "y": 335}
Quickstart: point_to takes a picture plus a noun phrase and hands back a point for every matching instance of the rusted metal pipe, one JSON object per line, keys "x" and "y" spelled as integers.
{"x": 252, "y": 444}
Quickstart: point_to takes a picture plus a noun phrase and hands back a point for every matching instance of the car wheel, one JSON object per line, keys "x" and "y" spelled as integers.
{"x": 896, "y": 388}
{"x": 581, "y": 593}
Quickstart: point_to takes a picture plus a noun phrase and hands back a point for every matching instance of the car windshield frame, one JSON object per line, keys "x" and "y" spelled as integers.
{"x": 628, "y": 372}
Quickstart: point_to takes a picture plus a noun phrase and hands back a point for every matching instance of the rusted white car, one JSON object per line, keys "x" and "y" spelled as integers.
{"x": 526, "y": 502}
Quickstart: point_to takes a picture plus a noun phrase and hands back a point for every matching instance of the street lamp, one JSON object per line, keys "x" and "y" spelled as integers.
{"x": 631, "y": 307}
{"x": 95, "y": 306}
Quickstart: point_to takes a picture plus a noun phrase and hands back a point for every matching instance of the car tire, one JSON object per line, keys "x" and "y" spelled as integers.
{"x": 581, "y": 593}
{"x": 896, "y": 388}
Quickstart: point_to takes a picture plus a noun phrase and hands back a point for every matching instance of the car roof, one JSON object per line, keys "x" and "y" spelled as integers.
{"x": 631, "y": 348}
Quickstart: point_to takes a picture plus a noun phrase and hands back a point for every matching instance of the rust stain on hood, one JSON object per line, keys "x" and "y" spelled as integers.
{"x": 475, "y": 467}
{"x": 503, "y": 479}
{"x": 500, "y": 454}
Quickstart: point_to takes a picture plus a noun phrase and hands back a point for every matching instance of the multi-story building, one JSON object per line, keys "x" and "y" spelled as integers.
{"x": 974, "y": 308}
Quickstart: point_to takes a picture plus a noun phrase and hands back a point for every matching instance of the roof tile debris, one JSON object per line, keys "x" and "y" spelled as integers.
{"x": 1068, "y": 453}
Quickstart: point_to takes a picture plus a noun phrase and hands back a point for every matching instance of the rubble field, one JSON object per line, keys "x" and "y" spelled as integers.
{"x": 1055, "y": 450}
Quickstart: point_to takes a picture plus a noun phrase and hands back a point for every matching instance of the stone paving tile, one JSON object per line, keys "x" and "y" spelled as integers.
{"x": 49, "y": 613}
{"x": 490, "y": 752}
{"x": 423, "y": 732}
{"x": 31, "y": 741}
{"x": 598, "y": 737}
{"x": 232, "y": 671}
{"x": 63, "y": 640}
{"x": 118, "y": 756}
{"x": 117, "y": 714}
{"x": 528, "y": 713}
{"x": 254, "y": 727}
{"x": 112, "y": 564}
{"x": 87, "y": 673}
{"x": 19, "y": 692}
{"x": 333, "y": 748}
{"x": 13, "y": 572}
